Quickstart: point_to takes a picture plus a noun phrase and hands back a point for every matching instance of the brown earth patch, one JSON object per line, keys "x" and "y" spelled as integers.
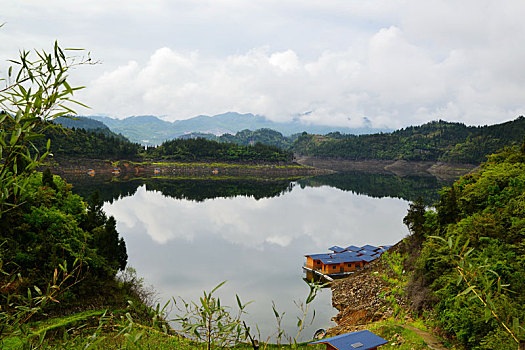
{"x": 397, "y": 167}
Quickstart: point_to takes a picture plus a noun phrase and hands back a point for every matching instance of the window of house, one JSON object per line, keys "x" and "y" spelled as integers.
{"x": 334, "y": 266}
{"x": 349, "y": 265}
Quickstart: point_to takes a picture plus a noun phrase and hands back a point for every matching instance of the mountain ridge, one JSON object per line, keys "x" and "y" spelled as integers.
{"x": 152, "y": 130}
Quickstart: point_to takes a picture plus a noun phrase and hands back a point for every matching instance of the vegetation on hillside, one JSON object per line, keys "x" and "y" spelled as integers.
{"x": 52, "y": 247}
{"x": 89, "y": 144}
{"x": 202, "y": 149}
{"x": 93, "y": 144}
{"x": 247, "y": 137}
{"x": 471, "y": 270}
{"x": 85, "y": 123}
{"x": 434, "y": 141}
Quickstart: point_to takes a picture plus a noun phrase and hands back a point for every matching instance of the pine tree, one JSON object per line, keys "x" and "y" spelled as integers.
{"x": 47, "y": 179}
{"x": 415, "y": 218}
{"x": 95, "y": 216}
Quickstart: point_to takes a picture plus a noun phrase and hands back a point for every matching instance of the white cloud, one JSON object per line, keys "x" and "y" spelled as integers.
{"x": 395, "y": 62}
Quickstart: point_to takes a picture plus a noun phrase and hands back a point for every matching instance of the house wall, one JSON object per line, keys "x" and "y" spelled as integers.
{"x": 311, "y": 263}
{"x": 330, "y": 268}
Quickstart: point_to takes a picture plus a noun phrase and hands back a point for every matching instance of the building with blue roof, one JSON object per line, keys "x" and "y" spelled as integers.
{"x": 342, "y": 261}
{"x": 361, "y": 340}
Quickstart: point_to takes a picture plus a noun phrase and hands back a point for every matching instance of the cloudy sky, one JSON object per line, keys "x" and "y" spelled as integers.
{"x": 334, "y": 62}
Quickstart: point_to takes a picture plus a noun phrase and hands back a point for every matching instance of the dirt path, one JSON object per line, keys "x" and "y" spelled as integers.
{"x": 432, "y": 342}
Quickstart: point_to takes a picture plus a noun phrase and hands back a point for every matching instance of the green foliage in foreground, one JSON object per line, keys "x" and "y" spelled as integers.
{"x": 473, "y": 256}
{"x": 54, "y": 226}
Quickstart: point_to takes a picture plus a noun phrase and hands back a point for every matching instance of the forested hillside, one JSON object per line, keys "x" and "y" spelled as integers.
{"x": 150, "y": 130}
{"x": 88, "y": 144}
{"x": 434, "y": 141}
{"x": 82, "y": 123}
{"x": 202, "y": 149}
{"x": 91, "y": 144}
{"x": 471, "y": 270}
{"x": 247, "y": 137}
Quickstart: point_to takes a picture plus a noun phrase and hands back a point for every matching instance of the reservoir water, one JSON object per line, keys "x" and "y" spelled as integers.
{"x": 186, "y": 236}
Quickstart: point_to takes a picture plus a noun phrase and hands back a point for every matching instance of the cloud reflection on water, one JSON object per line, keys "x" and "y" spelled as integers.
{"x": 326, "y": 215}
{"x": 183, "y": 247}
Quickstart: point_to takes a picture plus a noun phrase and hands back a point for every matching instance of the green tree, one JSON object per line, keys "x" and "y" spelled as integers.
{"x": 415, "y": 218}
{"x": 105, "y": 235}
{"x": 35, "y": 91}
{"x": 47, "y": 179}
{"x": 447, "y": 207}
{"x": 95, "y": 216}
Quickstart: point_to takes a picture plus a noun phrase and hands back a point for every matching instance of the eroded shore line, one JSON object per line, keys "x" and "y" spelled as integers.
{"x": 397, "y": 167}
{"x": 186, "y": 169}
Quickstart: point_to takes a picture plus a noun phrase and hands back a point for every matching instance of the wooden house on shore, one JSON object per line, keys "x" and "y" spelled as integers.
{"x": 342, "y": 261}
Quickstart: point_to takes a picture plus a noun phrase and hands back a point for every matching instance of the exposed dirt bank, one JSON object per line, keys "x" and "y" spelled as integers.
{"x": 362, "y": 298}
{"x": 369, "y": 298}
{"x": 200, "y": 169}
{"x": 397, "y": 167}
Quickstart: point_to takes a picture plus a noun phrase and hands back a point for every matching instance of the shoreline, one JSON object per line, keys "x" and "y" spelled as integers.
{"x": 184, "y": 169}
{"x": 401, "y": 168}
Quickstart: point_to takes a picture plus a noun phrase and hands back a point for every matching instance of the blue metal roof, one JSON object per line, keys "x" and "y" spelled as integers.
{"x": 346, "y": 253}
{"x": 353, "y": 248}
{"x": 366, "y": 252}
{"x": 319, "y": 256}
{"x": 330, "y": 261}
{"x": 336, "y": 249}
{"x": 369, "y": 247}
{"x": 347, "y": 259}
{"x": 362, "y": 340}
{"x": 368, "y": 258}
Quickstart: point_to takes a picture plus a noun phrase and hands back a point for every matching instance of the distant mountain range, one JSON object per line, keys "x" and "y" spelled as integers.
{"x": 88, "y": 124}
{"x": 151, "y": 130}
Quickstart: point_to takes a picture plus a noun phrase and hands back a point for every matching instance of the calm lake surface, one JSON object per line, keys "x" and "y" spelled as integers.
{"x": 186, "y": 236}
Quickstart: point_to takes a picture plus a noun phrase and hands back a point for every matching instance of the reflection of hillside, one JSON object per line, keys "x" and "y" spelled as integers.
{"x": 108, "y": 189}
{"x": 200, "y": 190}
{"x": 381, "y": 185}
{"x": 195, "y": 190}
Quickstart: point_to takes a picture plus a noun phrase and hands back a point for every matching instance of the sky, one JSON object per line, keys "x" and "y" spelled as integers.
{"x": 335, "y": 62}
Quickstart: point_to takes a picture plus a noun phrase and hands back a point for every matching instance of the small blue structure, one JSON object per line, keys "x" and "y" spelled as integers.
{"x": 362, "y": 340}
{"x": 337, "y": 249}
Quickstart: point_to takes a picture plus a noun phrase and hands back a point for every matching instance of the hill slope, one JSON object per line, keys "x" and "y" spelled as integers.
{"x": 151, "y": 130}
{"x": 434, "y": 141}
{"x": 462, "y": 269}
